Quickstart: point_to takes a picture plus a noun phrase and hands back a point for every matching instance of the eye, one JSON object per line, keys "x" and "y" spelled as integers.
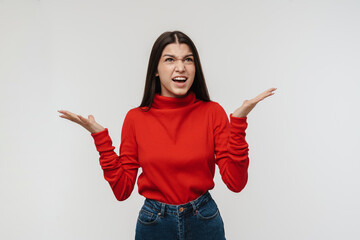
{"x": 189, "y": 60}
{"x": 167, "y": 60}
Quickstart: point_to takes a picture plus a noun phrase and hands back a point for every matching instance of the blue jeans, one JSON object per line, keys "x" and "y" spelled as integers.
{"x": 196, "y": 220}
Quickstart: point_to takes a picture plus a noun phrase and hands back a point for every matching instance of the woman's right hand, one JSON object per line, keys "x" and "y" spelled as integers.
{"x": 89, "y": 123}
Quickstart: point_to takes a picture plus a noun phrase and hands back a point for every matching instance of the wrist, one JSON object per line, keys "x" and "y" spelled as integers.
{"x": 239, "y": 116}
{"x": 241, "y": 112}
{"x": 97, "y": 130}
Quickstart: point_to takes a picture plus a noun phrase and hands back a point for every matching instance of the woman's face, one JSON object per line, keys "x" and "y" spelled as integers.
{"x": 176, "y": 70}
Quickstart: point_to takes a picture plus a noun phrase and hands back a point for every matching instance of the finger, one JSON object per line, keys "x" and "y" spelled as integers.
{"x": 64, "y": 112}
{"x": 263, "y": 95}
{"x": 83, "y": 119}
{"x": 70, "y": 116}
{"x": 91, "y": 118}
{"x": 271, "y": 90}
{"x": 267, "y": 95}
{"x": 66, "y": 116}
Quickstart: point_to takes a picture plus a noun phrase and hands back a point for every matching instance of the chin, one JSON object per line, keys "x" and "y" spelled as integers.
{"x": 180, "y": 93}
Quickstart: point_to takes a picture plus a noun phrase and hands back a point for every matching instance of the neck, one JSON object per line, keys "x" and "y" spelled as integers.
{"x": 163, "y": 102}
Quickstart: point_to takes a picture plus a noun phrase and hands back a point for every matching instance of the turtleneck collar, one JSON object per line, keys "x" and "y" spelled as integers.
{"x": 173, "y": 102}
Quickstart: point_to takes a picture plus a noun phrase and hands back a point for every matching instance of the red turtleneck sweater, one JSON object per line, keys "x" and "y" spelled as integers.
{"x": 177, "y": 144}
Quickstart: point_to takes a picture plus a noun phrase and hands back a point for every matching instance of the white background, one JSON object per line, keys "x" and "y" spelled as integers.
{"x": 90, "y": 57}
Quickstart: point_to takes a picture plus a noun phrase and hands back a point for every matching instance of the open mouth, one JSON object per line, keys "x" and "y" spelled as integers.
{"x": 179, "y": 79}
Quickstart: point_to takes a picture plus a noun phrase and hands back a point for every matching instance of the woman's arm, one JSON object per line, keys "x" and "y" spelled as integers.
{"x": 231, "y": 148}
{"x": 120, "y": 171}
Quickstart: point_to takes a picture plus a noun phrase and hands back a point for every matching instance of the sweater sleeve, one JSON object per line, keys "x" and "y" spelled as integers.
{"x": 231, "y": 149}
{"x": 120, "y": 171}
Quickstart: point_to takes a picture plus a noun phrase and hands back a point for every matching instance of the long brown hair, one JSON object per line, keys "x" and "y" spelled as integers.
{"x": 152, "y": 84}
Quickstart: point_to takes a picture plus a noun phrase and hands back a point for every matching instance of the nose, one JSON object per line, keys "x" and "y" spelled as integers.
{"x": 180, "y": 67}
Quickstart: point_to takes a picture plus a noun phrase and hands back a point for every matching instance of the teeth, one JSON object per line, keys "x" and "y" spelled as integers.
{"x": 179, "y": 79}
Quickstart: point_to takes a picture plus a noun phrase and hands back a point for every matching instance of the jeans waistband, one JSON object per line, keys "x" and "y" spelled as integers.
{"x": 178, "y": 209}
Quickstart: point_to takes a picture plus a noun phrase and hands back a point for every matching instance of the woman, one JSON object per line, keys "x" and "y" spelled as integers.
{"x": 176, "y": 136}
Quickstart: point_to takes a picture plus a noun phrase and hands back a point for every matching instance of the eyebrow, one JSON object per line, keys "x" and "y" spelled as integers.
{"x": 169, "y": 55}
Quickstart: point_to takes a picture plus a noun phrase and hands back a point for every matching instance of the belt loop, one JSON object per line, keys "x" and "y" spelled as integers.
{"x": 193, "y": 205}
{"x": 162, "y": 209}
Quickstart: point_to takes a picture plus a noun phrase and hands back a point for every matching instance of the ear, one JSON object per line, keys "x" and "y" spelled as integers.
{"x": 156, "y": 74}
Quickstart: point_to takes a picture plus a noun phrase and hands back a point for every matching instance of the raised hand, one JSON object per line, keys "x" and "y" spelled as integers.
{"x": 88, "y": 123}
{"x": 248, "y": 105}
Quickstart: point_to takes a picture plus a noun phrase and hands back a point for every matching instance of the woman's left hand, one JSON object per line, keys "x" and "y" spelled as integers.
{"x": 248, "y": 105}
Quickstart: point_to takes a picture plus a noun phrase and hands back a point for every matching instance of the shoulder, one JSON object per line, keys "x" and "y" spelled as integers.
{"x": 215, "y": 107}
{"x": 135, "y": 112}
{"x": 131, "y": 116}
{"x": 215, "y": 112}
